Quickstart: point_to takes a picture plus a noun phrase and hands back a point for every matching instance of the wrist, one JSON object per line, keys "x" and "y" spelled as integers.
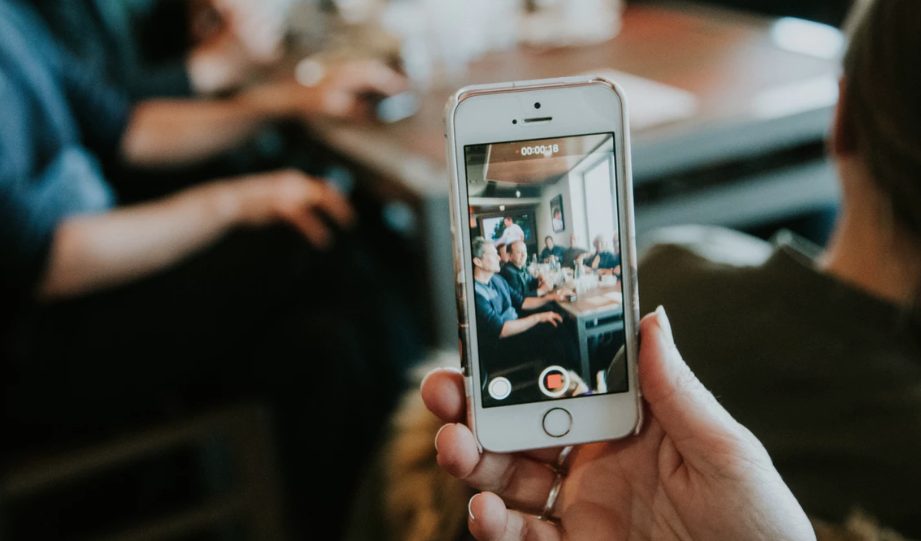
{"x": 226, "y": 201}
{"x": 279, "y": 100}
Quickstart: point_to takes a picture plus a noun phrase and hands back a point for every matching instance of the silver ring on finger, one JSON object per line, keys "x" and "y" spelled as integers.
{"x": 552, "y": 497}
{"x": 561, "y": 465}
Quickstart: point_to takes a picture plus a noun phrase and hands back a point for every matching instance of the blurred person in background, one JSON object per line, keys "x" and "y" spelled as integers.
{"x": 817, "y": 353}
{"x": 176, "y": 48}
{"x": 248, "y": 287}
{"x": 510, "y": 232}
{"x": 550, "y": 250}
{"x": 504, "y": 257}
{"x": 209, "y": 93}
{"x": 602, "y": 260}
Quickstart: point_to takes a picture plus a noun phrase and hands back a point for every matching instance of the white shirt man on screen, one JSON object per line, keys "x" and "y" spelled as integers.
{"x": 512, "y": 233}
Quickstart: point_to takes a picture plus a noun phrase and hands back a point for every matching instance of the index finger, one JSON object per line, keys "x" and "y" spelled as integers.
{"x": 379, "y": 77}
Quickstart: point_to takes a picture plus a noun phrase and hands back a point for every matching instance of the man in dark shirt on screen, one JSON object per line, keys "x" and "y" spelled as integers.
{"x": 550, "y": 250}
{"x": 507, "y": 340}
{"x": 517, "y": 275}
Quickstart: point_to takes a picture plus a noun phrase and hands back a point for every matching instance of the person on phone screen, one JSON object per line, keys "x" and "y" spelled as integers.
{"x": 517, "y": 276}
{"x": 551, "y": 250}
{"x": 511, "y": 233}
{"x": 505, "y": 338}
{"x": 602, "y": 260}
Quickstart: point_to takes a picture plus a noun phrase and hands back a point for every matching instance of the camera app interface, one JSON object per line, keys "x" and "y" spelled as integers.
{"x": 546, "y": 268}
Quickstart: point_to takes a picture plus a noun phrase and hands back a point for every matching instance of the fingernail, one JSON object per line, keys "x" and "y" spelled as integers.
{"x": 664, "y": 324}
{"x": 453, "y": 369}
{"x": 436, "y": 436}
{"x": 470, "y": 507}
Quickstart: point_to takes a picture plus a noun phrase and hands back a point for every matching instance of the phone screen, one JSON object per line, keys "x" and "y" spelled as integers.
{"x": 546, "y": 268}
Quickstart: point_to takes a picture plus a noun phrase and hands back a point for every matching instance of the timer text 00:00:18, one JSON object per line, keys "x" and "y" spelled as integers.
{"x": 545, "y": 150}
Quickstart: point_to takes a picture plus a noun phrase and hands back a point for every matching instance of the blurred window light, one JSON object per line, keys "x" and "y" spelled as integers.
{"x": 807, "y": 37}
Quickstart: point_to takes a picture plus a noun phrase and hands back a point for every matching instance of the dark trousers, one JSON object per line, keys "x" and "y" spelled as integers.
{"x": 261, "y": 315}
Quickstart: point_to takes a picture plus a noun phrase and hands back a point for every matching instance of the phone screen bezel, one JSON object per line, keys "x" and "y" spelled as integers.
{"x": 484, "y": 116}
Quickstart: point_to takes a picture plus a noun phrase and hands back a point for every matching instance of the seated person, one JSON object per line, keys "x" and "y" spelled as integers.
{"x": 112, "y": 315}
{"x": 602, "y": 260}
{"x": 575, "y": 253}
{"x": 173, "y": 48}
{"x": 517, "y": 276}
{"x": 240, "y": 128}
{"x": 551, "y": 250}
{"x": 504, "y": 257}
{"x": 506, "y": 339}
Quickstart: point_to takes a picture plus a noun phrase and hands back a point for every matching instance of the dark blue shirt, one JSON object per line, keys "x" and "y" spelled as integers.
{"x": 495, "y": 304}
{"x": 57, "y": 119}
{"x": 520, "y": 280}
{"x": 555, "y": 251}
{"x": 607, "y": 260}
{"x": 137, "y": 45}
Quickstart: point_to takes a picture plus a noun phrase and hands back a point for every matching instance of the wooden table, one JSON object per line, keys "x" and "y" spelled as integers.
{"x": 751, "y": 103}
{"x": 596, "y": 312}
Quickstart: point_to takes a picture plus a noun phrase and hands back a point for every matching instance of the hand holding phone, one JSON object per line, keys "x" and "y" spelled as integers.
{"x": 693, "y": 472}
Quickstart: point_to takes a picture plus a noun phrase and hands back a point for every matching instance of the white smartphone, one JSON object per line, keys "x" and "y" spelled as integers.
{"x": 542, "y": 219}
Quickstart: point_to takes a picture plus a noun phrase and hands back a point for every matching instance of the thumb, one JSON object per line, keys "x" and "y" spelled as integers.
{"x": 683, "y": 407}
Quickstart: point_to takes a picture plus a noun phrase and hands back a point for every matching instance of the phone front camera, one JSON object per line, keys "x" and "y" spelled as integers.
{"x": 514, "y": 121}
{"x": 537, "y": 105}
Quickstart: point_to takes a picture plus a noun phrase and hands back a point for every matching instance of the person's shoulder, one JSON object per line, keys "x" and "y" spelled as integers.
{"x": 703, "y": 246}
{"x": 682, "y": 263}
{"x": 499, "y": 281}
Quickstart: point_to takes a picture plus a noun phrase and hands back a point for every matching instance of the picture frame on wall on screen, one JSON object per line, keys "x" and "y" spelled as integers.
{"x": 556, "y": 214}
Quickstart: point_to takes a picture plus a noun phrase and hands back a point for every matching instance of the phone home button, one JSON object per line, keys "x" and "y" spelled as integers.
{"x": 557, "y": 422}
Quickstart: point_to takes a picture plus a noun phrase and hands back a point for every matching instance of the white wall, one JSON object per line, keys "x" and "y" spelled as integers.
{"x": 573, "y": 221}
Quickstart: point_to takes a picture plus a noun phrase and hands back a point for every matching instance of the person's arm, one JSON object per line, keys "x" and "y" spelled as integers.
{"x": 532, "y": 303}
{"x": 520, "y": 325}
{"x": 174, "y": 132}
{"x": 89, "y": 252}
{"x": 166, "y": 132}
